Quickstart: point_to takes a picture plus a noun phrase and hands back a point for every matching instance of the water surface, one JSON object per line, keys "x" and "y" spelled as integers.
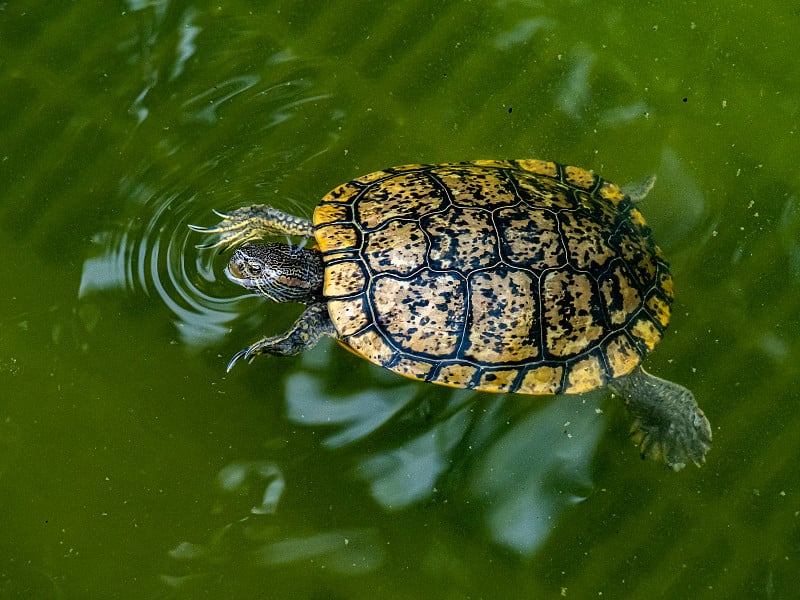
{"x": 133, "y": 466}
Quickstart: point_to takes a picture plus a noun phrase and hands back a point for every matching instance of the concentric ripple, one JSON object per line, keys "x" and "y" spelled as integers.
{"x": 154, "y": 252}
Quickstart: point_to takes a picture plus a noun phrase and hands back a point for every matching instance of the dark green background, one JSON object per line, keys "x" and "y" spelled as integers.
{"x": 132, "y": 466}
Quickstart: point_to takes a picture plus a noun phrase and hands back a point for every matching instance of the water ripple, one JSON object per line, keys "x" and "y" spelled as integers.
{"x": 153, "y": 252}
{"x": 204, "y": 106}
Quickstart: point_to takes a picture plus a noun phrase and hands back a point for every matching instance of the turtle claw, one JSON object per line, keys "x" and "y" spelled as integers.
{"x": 241, "y": 354}
{"x": 234, "y": 229}
{"x": 198, "y": 228}
{"x": 206, "y": 245}
{"x": 221, "y": 244}
{"x": 304, "y": 334}
{"x": 252, "y": 223}
{"x": 209, "y": 230}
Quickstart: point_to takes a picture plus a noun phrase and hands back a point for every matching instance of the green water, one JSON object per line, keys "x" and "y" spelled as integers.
{"x": 132, "y": 466}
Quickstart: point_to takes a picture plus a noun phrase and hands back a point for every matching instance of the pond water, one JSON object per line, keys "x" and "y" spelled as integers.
{"x": 133, "y": 466}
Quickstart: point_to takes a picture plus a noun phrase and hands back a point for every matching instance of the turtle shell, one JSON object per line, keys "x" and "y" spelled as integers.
{"x": 521, "y": 276}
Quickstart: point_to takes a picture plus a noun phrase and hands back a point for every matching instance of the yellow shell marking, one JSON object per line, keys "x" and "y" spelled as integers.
{"x": 522, "y": 276}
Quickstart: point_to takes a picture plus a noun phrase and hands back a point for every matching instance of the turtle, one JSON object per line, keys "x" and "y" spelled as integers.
{"x": 519, "y": 276}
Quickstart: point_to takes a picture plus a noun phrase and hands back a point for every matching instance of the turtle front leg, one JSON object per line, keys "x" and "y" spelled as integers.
{"x": 302, "y": 335}
{"x": 252, "y": 223}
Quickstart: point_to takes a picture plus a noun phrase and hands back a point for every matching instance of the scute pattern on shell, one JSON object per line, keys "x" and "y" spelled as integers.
{"x": 521, "y": 276}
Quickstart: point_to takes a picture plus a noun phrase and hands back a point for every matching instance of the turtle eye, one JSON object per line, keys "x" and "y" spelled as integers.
{"x": 255, "y": 268}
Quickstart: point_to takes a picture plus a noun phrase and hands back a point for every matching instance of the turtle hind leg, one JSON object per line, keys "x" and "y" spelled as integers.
{"x": 251, "y": 223}
{"x": 304, "y": 334}
{"x": 667, "y": 423}
{"x": 637, "y": 191}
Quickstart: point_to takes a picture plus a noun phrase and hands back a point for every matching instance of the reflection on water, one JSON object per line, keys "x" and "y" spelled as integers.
{"x": 204, "y": 106}
{"x": 789, "y": 233}
{"x": 234, "y": 476}
{"x": 341, "y": 551}
{"x": 523, "y": 460}
{"x": 258, "y": 539}
{"x": 509, "y": 468}
{"x": 523, "y": 32}
{"x": 530, "y": 473}
{"x": 344, "y": 551}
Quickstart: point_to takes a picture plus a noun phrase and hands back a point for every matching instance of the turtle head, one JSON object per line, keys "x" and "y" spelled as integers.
{"x": 281, "y": 272}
